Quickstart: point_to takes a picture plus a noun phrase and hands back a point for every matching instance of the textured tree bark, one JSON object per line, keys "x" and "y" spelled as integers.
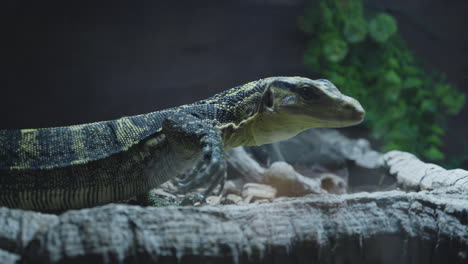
{"x": 425, "y": 226}
{"x": 8, "y": 257}
{"x": 414, "y": 174}
{"x": 387, "y": 227}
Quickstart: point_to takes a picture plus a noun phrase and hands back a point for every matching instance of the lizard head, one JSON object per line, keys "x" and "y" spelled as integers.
{"x": 290, "y": 105}
{"x": 315, "y": 103}
{"x": 287, "y": 106}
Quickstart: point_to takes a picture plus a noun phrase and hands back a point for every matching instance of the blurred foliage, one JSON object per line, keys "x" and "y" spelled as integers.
{"x": 364, "y": 56}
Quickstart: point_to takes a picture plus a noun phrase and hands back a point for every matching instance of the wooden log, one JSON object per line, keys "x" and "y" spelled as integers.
{"x": 381, "y": 227}
{"x": 417, "y": 175}
{"x": 429, "y": 224}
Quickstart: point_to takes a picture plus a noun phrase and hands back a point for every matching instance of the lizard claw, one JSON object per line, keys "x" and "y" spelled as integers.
{"x": 210, "y": 168}
{"x": 188, "y": 134}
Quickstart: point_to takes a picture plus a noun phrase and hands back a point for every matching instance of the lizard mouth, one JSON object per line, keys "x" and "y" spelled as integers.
{"x": 327, "y": 117}
{"x": 350, "y": 119}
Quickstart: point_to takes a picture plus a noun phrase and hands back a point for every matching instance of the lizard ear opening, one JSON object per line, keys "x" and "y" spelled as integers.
{"x": 268, "y": 99}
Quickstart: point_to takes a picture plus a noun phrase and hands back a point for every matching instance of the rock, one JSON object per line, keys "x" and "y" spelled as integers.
{"x": 255, "y": 191}
{"x": 232, "y": 199}
{"x": 241, "y": 164}
{"x": 332, "y": 183}
{"x": 320, "y": 150}
{"x": 288, "y": 182}
{"x": 169, "y": 185}
{"x": 232, "y": 187}
{"x": 162, "y": 192}
{"x": 213, "y": 200}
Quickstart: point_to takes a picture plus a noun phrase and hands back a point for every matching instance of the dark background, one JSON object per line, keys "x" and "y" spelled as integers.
{"x": 70, "y": 62}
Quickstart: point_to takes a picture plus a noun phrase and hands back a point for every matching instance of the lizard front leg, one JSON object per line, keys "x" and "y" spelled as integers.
{"x": 187, "y": 136}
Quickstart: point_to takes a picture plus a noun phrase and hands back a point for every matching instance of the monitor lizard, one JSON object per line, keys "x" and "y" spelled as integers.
{"x": 59, "y": 168}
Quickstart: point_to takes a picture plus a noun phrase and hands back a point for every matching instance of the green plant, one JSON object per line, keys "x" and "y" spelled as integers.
{"x": 364, "y": 56}
{"x": 382, "y": 27}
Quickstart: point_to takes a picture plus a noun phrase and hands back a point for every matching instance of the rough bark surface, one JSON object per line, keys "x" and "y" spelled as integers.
{"x": 8, "y": 257}
{"x": 417, "y": 175}
{"x": 387, "y": 227}
{"x": 428, "y": 224}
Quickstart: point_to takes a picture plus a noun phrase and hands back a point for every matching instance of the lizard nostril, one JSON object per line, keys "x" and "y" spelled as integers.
{"x": 355, "y": 110}
{"x": 350, "y": 108}
{"x": 359, "y": 114}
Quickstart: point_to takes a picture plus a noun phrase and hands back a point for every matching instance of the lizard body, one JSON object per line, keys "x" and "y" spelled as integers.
{"x": 53, "y": 169}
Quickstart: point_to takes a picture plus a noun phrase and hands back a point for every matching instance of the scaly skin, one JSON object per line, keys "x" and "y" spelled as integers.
{"x": 54, "y": 169}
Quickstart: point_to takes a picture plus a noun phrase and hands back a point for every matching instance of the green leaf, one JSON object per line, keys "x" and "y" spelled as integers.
{"x": 355, "y": 30}
{"x": 434, "y": 154}
{"x": 406, "y": 105}
{"x": 411, "y": 70}
{"x": 437, "y": 130}
{"x": 334, "y": 49}
{"x": 412, "y": 82}
{"x": 428, "y": 105}
{"x": 454, "y": 103}
{"x": 382, "y": 27}
{"x": 393, "y": 63}
{"x": 433, "y": 139}
{"x": 392, "y": 78}
{"x": 392, "y": 146}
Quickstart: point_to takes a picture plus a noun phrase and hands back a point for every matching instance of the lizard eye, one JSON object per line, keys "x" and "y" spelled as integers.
{"x": 310, "y": 93}
{"x": 268, "y": 99}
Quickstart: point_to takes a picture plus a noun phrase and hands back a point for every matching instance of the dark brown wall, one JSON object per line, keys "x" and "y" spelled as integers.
{"x": 72, "y": 64}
